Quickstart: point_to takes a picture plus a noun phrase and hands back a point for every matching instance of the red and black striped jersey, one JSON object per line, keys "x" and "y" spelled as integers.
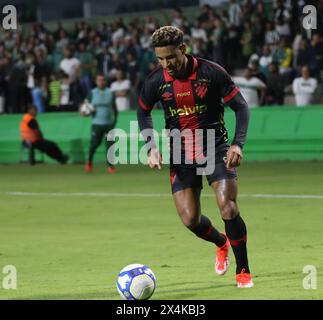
{"x": 194, "y": 102}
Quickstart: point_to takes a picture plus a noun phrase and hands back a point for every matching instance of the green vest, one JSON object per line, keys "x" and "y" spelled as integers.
{"x": 102, "y": 101}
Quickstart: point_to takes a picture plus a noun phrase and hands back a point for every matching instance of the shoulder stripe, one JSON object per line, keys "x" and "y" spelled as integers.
{"x": 143, "y": 106}
{"x": 231, "y": 94}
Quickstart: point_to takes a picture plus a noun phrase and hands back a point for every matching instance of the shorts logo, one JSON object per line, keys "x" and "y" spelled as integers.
{"x": 167, "y": 96}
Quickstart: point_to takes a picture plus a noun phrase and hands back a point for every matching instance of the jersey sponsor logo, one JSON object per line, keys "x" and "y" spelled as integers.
{"x": 167, "y": 96}
{"x": 184, "y": 94}
{"x": 187, "y": 110}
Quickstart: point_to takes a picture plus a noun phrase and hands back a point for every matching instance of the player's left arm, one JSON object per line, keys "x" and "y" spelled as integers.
{"x": 234, "y": 99}
{"x": 240, "y": 107}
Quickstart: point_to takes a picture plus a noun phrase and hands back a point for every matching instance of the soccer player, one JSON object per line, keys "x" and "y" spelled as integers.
{"x": 104, "y": 118}
{"x": 192, "y": 91}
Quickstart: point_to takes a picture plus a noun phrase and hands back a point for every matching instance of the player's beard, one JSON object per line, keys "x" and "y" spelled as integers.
{"x": 180, "y": 72}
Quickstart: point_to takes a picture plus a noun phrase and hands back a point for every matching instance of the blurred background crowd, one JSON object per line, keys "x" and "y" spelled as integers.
{"x": 273, "y": 59}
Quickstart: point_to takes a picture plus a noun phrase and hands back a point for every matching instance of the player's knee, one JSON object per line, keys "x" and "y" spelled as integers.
{"x": 228, "y": 209}
{"x": 189, "y": 218}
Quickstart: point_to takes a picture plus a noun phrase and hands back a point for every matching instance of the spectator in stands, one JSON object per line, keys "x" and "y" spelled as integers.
{"x": 256, "y": 72}
{"x": 315, "y": 56}
{"x": 246, "y": 11}
{"x": 207, "y": 14}
{"x": 32, "y": 70}
{"x": 147, "y": 59}
{"x": 3, "y": 84}
{"x": 258, "y": 26}
{"x": 249, "y": 87}
{"x": 199, "y": 32}
{"x": 265, "y": 60}
{"x": 116, "y": 64}
{"x": 282, "y": 18}
{"x": 234, "y": 12}
{"x": 39, "y": 95}
{"x": 19, "y": 95}
{"x": 151, "y": 23}
{"x": 271, "y": 35}
{"x": 32, "y": 138}
{"x": 132, "y": 72}
{"x": 69, "y": 65}
{"x": 283, "y": 57}
{"x": 87, "y": 63}
{"x": 178, "y": 19}
{"x": 199, "y": 49}
{"x": 275, "y": 86}
{"x": 217, "y": 39}
{"x": 103, "y": 60}
{"x": 43, "y": 63}
{"x": 260, "y": 9}
{"x": 65, "y": 104}
{"x": 304, "y": 88}
{"x": 302, "y": 57}
{"x": 78, "y": 92}
{"x": 246, "y": 42}
{"x": 62, "y": 41}
{"x": 145, "y": 38}
{"x": 121, "y": 88}
{"x": 54, "y": 90}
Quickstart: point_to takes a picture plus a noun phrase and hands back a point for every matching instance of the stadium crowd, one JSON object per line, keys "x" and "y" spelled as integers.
{"x": 267, "y": 49}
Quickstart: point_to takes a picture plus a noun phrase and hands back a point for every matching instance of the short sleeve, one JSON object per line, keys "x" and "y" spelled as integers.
{"x": 227, "y": 85}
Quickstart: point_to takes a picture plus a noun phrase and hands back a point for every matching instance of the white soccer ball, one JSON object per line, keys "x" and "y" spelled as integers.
{"x": 136, "y": 282}
{"x": 86, "y": 108}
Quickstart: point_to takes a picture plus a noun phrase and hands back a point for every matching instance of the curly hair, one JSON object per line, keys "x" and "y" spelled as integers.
{"x": 167, "y": 36}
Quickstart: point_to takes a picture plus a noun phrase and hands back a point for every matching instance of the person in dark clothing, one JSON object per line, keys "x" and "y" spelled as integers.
{"x": 32, "y": 138}
{"x": 275, "y": 86}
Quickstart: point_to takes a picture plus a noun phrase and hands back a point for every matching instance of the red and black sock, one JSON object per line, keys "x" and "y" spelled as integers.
{"x": 207, "y": 232}
{"x": 236, "y": 231}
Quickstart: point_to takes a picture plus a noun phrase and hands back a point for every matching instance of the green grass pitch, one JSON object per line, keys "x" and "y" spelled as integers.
{"x": 68, "y": 244}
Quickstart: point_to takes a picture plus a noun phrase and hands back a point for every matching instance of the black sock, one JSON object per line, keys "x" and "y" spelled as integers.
{"x": 207, "y": 232}
{"x": 236, "y": 231}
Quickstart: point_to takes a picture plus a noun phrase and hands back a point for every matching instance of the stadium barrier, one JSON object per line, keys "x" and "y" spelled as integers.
{"x": 275, "y": 133}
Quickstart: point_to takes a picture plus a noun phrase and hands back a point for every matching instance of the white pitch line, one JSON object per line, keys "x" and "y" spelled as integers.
{"x": 156, "y": 195}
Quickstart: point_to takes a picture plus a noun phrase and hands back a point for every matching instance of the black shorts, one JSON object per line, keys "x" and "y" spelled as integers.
{"x": 182, "y": 177}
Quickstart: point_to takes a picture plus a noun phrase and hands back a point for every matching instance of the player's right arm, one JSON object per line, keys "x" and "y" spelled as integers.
{"x": 148, "y": 98}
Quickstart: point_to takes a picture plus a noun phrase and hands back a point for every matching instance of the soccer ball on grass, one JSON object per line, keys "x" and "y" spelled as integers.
{"x": 136, "y": 282}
